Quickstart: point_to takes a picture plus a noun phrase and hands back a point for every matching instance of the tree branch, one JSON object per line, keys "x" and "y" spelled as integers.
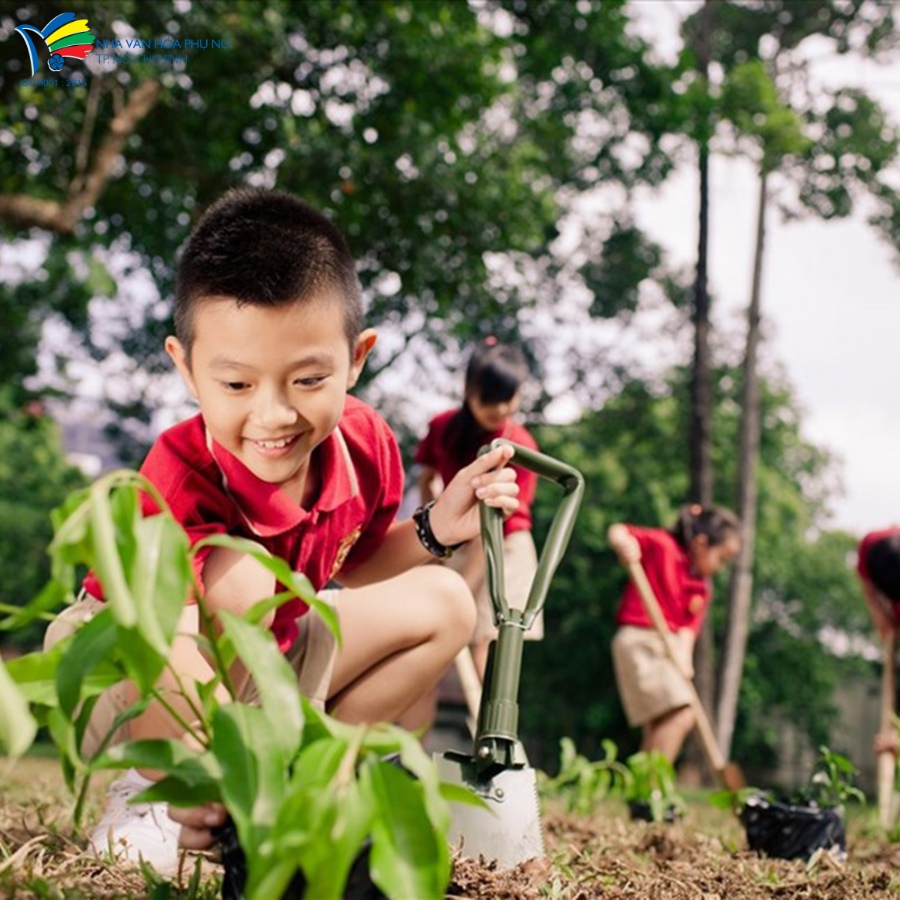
{"x": 27, "y": 211}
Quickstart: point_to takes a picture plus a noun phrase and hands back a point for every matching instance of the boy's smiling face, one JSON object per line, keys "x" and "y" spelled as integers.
{"x": 271, "y": 381}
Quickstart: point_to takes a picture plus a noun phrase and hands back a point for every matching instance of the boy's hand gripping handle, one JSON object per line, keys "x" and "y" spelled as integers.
{"x": 572, "y": 483}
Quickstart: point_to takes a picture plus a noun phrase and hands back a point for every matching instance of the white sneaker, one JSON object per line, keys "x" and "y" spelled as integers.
{"x": 135, "y": 831}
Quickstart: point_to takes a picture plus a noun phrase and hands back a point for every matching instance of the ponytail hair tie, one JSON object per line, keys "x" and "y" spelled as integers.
{"x": 490, "y": 341}
{"x": 696, "y": 509}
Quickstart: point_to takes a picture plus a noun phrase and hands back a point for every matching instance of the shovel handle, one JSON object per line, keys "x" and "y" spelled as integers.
{"x": 886, "y": 760}
{"x": 704, "y": 728}
{"x": 572, "y": 483}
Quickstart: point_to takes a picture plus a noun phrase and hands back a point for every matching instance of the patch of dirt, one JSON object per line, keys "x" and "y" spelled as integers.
{"x": 602, "y": 855}
{"x": 704, "y": 858}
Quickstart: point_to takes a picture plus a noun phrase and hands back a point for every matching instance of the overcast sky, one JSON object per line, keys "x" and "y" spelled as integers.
{"x": 831, "y": 300}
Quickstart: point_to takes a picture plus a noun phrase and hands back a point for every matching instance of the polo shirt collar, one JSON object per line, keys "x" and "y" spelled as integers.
{"x": 266, "y": 508}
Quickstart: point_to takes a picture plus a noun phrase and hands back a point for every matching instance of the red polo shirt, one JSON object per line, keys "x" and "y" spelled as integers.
{"x": 683, "y": 598}
{"x": 437, "y": 452}
{"x": 866, "y": 544}
{"x": 211, "y": 492}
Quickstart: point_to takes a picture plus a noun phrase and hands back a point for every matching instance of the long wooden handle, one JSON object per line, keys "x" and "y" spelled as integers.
{"x": 886, "y": 760}
{"x": 471, "y": 685}
{"x": 704, "y": 728}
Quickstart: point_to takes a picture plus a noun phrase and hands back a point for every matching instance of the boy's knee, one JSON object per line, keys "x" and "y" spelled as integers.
{"x": 456, "y": 600}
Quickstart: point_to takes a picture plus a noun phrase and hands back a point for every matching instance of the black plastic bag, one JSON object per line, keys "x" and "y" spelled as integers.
{"x": 788, "y": 831}
{"x": 359, "y": 882}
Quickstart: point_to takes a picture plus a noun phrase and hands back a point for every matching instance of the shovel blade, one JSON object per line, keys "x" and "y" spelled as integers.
{"x": 509, "y": 830}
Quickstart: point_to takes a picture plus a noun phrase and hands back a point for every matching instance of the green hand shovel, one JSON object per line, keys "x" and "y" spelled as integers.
{"x": 507, "y": 827}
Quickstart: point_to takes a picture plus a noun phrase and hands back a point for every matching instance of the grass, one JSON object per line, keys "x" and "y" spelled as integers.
{"x": 601, "y": 854}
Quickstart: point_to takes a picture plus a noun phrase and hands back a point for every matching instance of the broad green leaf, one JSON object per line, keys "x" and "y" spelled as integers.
{"x": 254, "y": 770}
{"x": 17, "y": 726}
{"x": 89, "y": 647}
{"x": 161, "y": 578}
{"x": 36, "y": 675}
{"x": 51, "y": 597}
{"x": 64, "y": 732}
{"x": 409, "y": 857}
{"x": 457, "y": 793}
{"x": 142, "y": 662}
{"x": 274, "y": 678}
{"x": 106, "y": 552}
{"x": 162, "y": 754}
{"x": 323, "y": 776}
{"x": 327, "y": 863}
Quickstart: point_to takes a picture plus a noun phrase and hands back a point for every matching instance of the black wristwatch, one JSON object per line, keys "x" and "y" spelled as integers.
{"x": 422, "y": 518}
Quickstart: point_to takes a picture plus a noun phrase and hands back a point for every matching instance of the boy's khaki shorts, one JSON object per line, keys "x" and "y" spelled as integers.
{"x": 649, "y": 683}
{"x": 312, "y": 657}
{"x": 519, "y": 567}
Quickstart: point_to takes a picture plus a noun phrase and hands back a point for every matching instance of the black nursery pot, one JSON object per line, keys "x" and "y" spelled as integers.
{"x": 643, "y": 812}
{"x": 787, "y": 831}
{"x": 359, "y": 882}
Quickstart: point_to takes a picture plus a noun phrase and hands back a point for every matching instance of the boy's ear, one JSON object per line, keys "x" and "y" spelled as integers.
{"x": 364, "y": 344}
{"x": 175, "y": 349}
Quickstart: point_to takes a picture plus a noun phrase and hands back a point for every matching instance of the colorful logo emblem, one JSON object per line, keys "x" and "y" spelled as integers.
{"x": 64, "y": 35}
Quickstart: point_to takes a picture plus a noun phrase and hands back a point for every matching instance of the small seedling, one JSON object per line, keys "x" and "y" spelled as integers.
{"x": 583, "y": 783}
{"x": 651, "y": 787}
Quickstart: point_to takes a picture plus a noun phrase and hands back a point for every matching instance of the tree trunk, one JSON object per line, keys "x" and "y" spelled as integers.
{"x": 741, "y": 586}
{"x": 700, "y": 429}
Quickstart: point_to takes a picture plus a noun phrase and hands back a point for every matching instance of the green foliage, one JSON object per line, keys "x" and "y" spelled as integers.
{"x": 303, "y": 790}
{"x": 645, "y": 778}
{"x": 832, "y": 783}
{"x": 34, "y": 478}
{"x": 652, "y": 783}
{"x": 581, "y": 782}
{"x": 438, "y": 135}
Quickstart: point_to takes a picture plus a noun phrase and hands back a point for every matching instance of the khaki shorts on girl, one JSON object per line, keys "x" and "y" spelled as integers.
{"x": 649, "y": 683}
{"x": 312, "y": 657}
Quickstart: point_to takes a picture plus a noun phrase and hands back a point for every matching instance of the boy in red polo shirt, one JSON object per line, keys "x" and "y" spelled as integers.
{"x": 269, "y": 339}
{"x": 679, "y": 564}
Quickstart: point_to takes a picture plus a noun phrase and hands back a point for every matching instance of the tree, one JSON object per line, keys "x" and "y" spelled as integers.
{"x": 444, "y": 138}
{"x": 794, "y": 133}
{"x": 34, "y": 479}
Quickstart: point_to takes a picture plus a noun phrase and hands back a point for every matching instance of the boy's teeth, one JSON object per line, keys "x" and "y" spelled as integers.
{"x": 274, "y": 445}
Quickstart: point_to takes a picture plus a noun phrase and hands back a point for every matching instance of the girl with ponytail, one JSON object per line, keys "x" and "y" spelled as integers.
{"x": 679, "y": 564}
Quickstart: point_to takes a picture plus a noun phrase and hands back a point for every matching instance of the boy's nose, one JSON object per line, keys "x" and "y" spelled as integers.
{"x": 273, "y": 411}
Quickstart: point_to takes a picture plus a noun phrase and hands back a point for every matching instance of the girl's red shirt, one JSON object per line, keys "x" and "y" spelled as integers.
{"x": 683, "y": 597}
{"x": 436, "y": 452}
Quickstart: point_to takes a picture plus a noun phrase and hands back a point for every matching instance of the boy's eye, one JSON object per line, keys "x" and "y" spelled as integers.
{"x": 234, "y": 385}
{"x": 311, "y": 381}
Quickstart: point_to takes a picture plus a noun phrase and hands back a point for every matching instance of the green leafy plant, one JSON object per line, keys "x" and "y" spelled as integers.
{"x": 652, "y": 784}
{"x": 833, "y": 781}
{"x": 582, "y": 782}
{"x": 831, "y": 786}
{"x": 303, "y": 790}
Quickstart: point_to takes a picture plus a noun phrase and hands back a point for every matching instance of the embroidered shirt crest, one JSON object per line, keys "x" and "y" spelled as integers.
{"x": 345, "y": 547}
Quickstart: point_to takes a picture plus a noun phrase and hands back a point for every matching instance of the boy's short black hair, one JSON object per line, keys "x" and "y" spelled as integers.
{"x": 264, "y": 248}
{"x": 883, "y": 565}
